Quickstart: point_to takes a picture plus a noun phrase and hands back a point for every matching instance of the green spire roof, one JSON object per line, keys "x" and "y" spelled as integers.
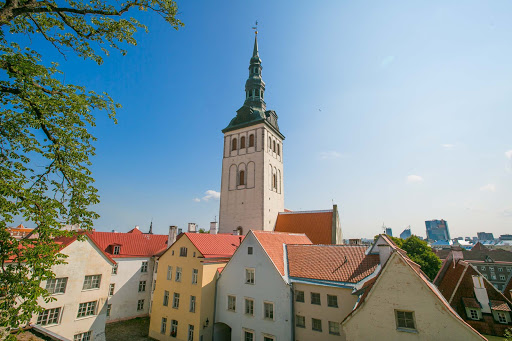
{"x": 254, "y": 110}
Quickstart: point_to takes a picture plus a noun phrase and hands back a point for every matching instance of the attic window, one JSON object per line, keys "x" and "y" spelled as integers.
{"x": 473, "y": 314}
{"x": 183, "y": 252}
{"x": 405, "y": 320}
{"x": 117, "y": 250}
{"x": 249, "y": 250}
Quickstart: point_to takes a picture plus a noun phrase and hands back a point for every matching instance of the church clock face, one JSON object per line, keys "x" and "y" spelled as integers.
{"x": 252, "y": 167}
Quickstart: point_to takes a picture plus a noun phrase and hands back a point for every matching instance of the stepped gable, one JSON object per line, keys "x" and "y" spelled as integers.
{"x": 132, "y": 244}
{"x": 341, "y": 263}
{"x": 317, "y": 225}
{"x": 272, "y": 243}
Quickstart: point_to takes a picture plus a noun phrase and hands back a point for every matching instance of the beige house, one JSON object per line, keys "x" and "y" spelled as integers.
{"x": 402, "y": 304}
{"x": 323, "y": 279}
{"x": 80, "y": 288}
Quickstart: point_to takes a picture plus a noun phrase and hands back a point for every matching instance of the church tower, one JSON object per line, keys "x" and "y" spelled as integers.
{"x": 252, "y": 166}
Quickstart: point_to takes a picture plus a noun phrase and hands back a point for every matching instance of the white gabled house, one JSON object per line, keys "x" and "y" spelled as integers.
{"x": 253, "y": 300}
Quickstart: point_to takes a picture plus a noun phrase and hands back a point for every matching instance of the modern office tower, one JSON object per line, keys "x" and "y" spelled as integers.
{"x": 485, "y": 236}
{"x": 437, "y": 230}
{"x": 406, "y": 233}
{"x": 388, "y": 231}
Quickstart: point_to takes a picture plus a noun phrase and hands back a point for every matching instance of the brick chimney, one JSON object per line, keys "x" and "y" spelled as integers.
{"x": 192, "y": 228}
{"x": 172, "y": 235}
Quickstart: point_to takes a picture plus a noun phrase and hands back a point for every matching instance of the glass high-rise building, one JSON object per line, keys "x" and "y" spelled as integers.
{"x": 437, "y": 230}
{"x": 405, "y": 234}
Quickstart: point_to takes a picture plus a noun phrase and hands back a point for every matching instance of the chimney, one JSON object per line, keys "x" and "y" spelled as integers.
{"x": 457, "y": 253}
{"x": 192, "y": 228}
{"x": 180, "y": 231}
{"x": 213, "y": 227}
{"x": 481, "y": 293}
{"x": 172, "y": 236}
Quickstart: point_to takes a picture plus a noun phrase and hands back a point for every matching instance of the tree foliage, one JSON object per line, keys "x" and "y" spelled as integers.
{"x": 45, "y": 143}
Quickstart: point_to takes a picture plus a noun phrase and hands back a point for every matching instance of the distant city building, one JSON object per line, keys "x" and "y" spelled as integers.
{"x": 388, "y": 231}
{"x": 485, "y": 236}
{"x": 437, "y": 230}
{"x": 506, "y": 237}
{"x": 406, "y": 233}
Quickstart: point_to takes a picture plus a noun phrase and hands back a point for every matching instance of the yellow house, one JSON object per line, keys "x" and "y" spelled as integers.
{"x": 184, "y": 296}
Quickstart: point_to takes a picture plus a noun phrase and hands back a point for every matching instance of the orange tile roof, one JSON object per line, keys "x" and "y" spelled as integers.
{"x": 317, "y": 225}
{"x": 132, "y": 244}
{"x": 499, "y": 305}
{"x": 66, "y": 241}
{"x": 135, "y": 230}
{"x": 272, "y": 243}
{"x": 215, "y": 245}
{"x": 342, "y": 263}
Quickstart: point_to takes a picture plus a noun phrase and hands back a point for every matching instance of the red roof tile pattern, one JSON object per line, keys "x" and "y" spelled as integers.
{"x": 480, "y": 255}
{"x": 66, "y": 241}
{"x": 135, "y": 230}
{"x": 470, "y": 302}
{"x": 272, "y": 243}
{"x": 317, "y": 225}
{"x": 132, "y": 244}
{"x": 499, "y": 305}
{"x": 215, "y": 245}
{"x": 341, "y": 263}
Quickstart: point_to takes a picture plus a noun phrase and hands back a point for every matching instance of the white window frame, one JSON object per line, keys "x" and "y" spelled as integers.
{"x": 163, "y": 325}
{"x": 169, "y": 272}
{"x": 474, "y": 316}
{"x": 247, "y": 331}
{"x": 334, "y": 327}
{"x": 250, "y": 275}
{"x": 109, "y": 309}
{"x": 271, "y": 311}
{"x": 111, "y": 289}
{"x": 249, "y": 303}
{"x": 86, "y": 336}
{"x": 166, "y": 298}
{"x": 144, "y": 266}
{"x": 57, "y": 286}
{"x": 86, "y": 309}
{"x": 502, "y": 318}
{"x": 190, "y": 332}
{"x": 114, "y": 269}
{"x": 177, "y": 278}
{"x": 195, "y": 275}
{"x": 174, "y": 328}
{"x": 142, "y": 286}
{"x": 232, "y": 303}
{"x": 176, "y": 300}
{"x": 140, "y": 305}
{"x": 117, "y": 250}
{"x": 192, "y": 307}
{"x": 397, "y": 318}
{"x": 92, "y": 282}
{"x": 49, "y": 317}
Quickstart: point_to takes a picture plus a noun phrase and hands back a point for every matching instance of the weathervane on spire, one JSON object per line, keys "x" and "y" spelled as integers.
{"x": 255, "y": 28}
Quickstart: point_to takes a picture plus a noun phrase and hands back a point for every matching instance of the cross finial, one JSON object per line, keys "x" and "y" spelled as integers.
{"x": 255, "y": 28}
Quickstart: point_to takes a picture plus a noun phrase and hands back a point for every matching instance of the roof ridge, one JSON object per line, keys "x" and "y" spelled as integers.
{"x": 299, "y": 212}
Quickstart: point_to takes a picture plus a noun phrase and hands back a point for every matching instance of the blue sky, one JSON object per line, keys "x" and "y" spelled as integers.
{"x": 397, "y": 111}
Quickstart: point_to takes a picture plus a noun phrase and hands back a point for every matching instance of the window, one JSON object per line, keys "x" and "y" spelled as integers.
{"x": 83, "y": 336}
{"x": 114, "y": 270}
{"x": 242, "y": 178}
{"x": 183, "y": 251}
{"x": 140, "y": 304}
{"x": 274, "y": 146}
{"x": 92, "y": 282}
{"x": 178, "y": 274}
{"x": 163, "y": 325}
{"x": 194, "y": 276}
{"x": 242, "y": 142}
{"x": 491, "y": 268}
{"x": 500, "y": 269}
{"x": 231, "y": 303}
{"x": 300, "y": 321}
{"x": 332, "y": 301}
{"x": 190, "y": 332}
{"x": 192, "y": 304}
{"x": 274, "y": 181}
{"x": 154, "y": 285}
{"x": 248, "y": 336}
{"x": 249, "y": 306}
{"x": 251, "y": 140}
{"x": 49, "y": 316}
{"x": 176, "y": 301}
{"x": 493, "y": 276}
{"x": 473, "y": 314}
{"x": 501, "y": 317}
{"x": 268, "y": 310}
{"x": 111, "y": 289}
{"x": 299, "y": 296}
{"x": 269, "y": 144}
{"x": 169, "y": 272}
{"x": 316, "y": 324}
{"x": 334, "y": 328}
{"x": 485, "y": 275}
{"x": 268, "y": 338}
{"x": 86, "y": 309}
{"x": 166, "y": 298}
{"x": 249, "y": 250}
{"x": 56, "y": 285}
{"x": 502, "y": 277}
{"x": 117, "y": 249}
{"x": 144, "y": 267}
{"x": 405, "y": 319}
{"x": 509, "y": 269}
{"x": 174, "y": 328}
{"x": 482, "y": 267}
{"x": 249, "y": 276}
{"x": 315, "y": 298}
{"x": 194, "y": 254}
{"x": 278, "y": 149}
{"x": 233, "y": 144}
{"x": 142, "y": 286}
{"x": 156, "y": 267}
{"x": 109, "y": 309}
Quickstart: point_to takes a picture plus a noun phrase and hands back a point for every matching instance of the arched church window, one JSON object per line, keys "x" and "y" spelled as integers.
{"x": 262, "y": 94}
{"x": 274, "y": 146}
{"x": 242, "y": 178}
{"x": 274, "y": 181}
{"x": 233, "y": 144}
{"x": 269, "y": 144}
{"x": 278, "y": 149}
{"x": 242, "y": 142}
{"x": 251, "y": 140}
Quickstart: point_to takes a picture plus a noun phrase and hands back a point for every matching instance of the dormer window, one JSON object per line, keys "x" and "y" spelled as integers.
{"x": 117, "y": 250}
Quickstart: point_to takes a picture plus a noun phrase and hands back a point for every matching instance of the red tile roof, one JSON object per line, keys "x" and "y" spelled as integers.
{"x": 317, "y": 225}
{"x": 132, "y": 244}
{"x": 66, "y": 241}
{"x": 471, "y": 302}
{"x": 499, "y": 305}
{"x": 342, "y": 263}
{"x": 135, "y": 230}
{"x": 215, "y": 245}
{"x": 272, "y": 243}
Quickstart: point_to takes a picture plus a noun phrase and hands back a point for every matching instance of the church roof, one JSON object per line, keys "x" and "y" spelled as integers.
{"x": 317, "y": 225}
{"x": 272, "y": 243}
{"x": 340, "y": 263}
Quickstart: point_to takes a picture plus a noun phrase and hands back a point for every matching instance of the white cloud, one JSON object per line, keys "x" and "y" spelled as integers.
{"x": 448, "y": 145}
{"x": 197, "y": 199}
{"x": 387, "y": 61}
{"x": 211, "y": 194}
{"x": 414, "y": 179}
{"x": 488, "y": 188}
{"x": 508, "y": 154}
{"x": 330, "y": 155}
